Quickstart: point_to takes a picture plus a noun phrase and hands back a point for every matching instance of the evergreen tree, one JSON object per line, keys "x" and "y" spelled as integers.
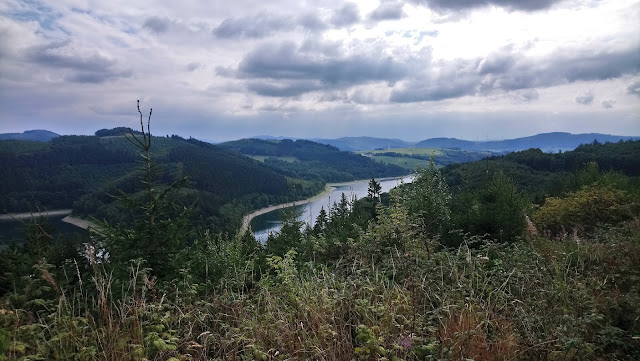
{"x": 290, "y": 233}
{"x": 374, "y": 189}
{"x": 321, "y": 222}
{"x": 427, "y": 200}
{"x": 158, "y": 229}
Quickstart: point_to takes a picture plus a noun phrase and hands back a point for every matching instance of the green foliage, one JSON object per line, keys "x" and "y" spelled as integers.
{"x": 498, "y": 209}
{"x": 157, "y": 231}
{"x": 374, "y": 189}
{"x": 542, "y": 174}
{"x": 427, "y": 200}
{"x": 586, "y": 209}
{"x": 371, "y": 282}
{"x": 420, "y": 158}
{"x": 315, "y": 161}
{"x": 290, "y": 234}
{"x": 521, "y": 301}
{"x": 80, "y": 172}
{"x": 117, "y": 132}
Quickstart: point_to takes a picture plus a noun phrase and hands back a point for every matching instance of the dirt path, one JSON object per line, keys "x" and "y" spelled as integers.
{"x": 27, "y": 215}
{"x": 79, "y": 222}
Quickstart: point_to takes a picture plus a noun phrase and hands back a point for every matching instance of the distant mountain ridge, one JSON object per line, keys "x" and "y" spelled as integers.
{"x": 547, "y": 142}
{"x": 36, "y": 135}
{"x": 363, "y": 143}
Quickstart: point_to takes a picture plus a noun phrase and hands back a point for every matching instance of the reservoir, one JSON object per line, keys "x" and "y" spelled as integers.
{"x": 267, "y": 223}
{"x": 14, "y": 231}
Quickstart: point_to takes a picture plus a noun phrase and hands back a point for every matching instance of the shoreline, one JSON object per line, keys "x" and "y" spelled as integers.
{"x": 329, "y": 188}
{"x": 246, "y": 220}
{"x": 75, "y": 221}
{"x": 27, "y": 215}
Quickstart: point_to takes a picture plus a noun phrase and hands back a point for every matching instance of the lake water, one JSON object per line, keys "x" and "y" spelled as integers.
{"x": 14, "y": 232}
{"x": 267, "y": 223}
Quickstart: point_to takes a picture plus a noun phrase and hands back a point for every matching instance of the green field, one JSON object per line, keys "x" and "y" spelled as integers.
{"x": 262, "y": 158}
{"x": 404, "y": 162}
{"x": 417, "y": 151}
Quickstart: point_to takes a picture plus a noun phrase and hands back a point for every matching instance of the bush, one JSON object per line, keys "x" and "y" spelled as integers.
{"x": 585, "y": 209}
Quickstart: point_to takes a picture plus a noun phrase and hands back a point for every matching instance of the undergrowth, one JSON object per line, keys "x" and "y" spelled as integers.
{"x": 535, "y": 300}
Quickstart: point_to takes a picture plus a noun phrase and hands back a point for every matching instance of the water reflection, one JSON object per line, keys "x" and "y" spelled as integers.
{"x": 267, "y": 223}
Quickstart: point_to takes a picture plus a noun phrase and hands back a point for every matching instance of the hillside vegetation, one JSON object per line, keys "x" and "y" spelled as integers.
{"x": 81, "y": 172}
{"x": 313, "y": 161}
{"x": 483, "y": 261}
{"x": 84, "y": 172}
{"x": 414, "y": 157}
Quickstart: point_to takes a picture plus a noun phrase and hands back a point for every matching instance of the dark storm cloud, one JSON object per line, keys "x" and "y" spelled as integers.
{"x": 634, "y": 88}
{"x": 347, "y": 15}
{"x": 285, "y": 70}
{"x": 462, "y": 5}
{"x": 258, "y": 26}
{"x": 585, "y": 99}
{"x": 509, "y": 72}
{"x": 387, "y": 11}
{"x": 157, "y": 24}
{"x": 86, "y": 69}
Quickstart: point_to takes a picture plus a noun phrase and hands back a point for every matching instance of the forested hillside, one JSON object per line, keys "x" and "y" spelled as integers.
{"x": 82, "y": 172}
{"x": 547, "y": 142}
{"x": 313, "y": 161}
{"x": 540, "y": 174}
{"x": 529, "y": 256}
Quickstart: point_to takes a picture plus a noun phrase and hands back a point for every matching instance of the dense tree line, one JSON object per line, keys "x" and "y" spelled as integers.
{"x": 116, "y": 132}
{"x": 620, "y": 157}
{"x": 83, "y": 173}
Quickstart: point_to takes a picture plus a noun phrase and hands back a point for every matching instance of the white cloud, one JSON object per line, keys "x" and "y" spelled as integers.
{"x": 215, "y": 71}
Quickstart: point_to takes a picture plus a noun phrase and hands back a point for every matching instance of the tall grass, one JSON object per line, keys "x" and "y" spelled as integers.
{"x": 540, "y": 300}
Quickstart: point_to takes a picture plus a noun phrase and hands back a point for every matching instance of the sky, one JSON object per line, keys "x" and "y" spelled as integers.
{"x": 413, "y": 69}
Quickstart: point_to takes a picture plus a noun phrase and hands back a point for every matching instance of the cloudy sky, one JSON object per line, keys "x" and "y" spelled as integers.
{"x": 414, "y": 69}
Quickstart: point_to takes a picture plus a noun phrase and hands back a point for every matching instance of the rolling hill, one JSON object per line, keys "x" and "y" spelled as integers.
{"x": 363, "y": 143}
{"x": 312, "y": 161}
{"x": 35, "y": 135}
{"x": 80, "y": 172}
{"x": 547, "y": 142}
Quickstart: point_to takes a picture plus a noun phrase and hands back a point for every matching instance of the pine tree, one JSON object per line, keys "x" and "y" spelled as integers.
{"x": 374, "y": 189}
{"x": 157, "y": 229}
